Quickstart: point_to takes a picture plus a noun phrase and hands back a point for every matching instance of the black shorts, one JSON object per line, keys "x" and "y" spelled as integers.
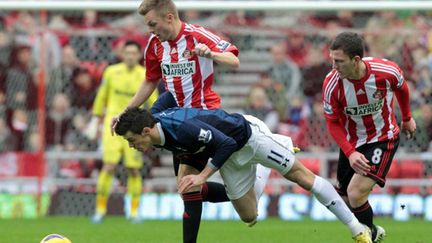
{"x": 380, "y": 156}
{"x": 196, "y": 161}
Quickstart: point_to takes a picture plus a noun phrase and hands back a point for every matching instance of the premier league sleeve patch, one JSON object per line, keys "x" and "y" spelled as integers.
{"x": 223, "y": 45}
{"x": 205, "y": 136}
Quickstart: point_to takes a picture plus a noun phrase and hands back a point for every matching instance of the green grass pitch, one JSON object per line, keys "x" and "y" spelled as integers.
{"x": 119, "y": 230}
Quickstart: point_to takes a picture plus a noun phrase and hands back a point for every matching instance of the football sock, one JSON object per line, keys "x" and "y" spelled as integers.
{"x": 214, "y": 192}
{"x": 364, "y": 213}
{"x": 262, "y": 175}
{"x": 103, "y": 190}
{"x": 327, "y": 195}
{"x": 191, "y": 216}
{"x": 134, "y": 186}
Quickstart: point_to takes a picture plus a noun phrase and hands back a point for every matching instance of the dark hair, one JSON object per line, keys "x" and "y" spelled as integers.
{"x": 132, "y": 43}
{"x": 350, "y": 43}
{"x": 134, "y": 120}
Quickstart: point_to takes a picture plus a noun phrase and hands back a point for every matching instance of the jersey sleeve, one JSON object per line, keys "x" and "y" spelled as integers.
{"x": 201, "y": 135}
{"x": 401, "y": 90}
{"x": 215, "y": 42}
{"x": 152, "y": 64}
{"x": 332, "y": 108}
{"x": 101, "y": 99}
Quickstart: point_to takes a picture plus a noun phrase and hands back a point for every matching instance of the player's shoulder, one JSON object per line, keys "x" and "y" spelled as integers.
{"x": 199, "y": 31}
{"x": 113, "y": 68}
{"x": 377, "y": 63}
{"x": 152, "y": 42}
{"x": 331, "y": 78}
{"x": 383, "y": 66}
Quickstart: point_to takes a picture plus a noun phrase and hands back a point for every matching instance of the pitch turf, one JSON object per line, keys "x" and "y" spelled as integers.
{"x": 118, "y": 230}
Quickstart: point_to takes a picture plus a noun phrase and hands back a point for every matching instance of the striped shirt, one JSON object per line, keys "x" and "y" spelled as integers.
{"x": 187, "y": 76}
{"x": 364, "y": 107}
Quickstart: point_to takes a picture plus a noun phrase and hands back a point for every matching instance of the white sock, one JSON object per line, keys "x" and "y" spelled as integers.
{"x": 327, "y": 195}
{"x": 262, "y": 175}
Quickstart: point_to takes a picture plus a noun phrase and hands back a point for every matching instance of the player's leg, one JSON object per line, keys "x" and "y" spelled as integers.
{"x": 277, "y": 152}
{"x": 325, "y": 194}
{"x": 246, "y": 207}
{"x": 192, "y": 201}
{"x": 111, "y": 157}
{"x": 262, "y": 172}
{"x": 103, "y": 190}
{"x": 239, "y": 177}
{"x": 133, "y": 162}
{"x": 262, "y": 176}
{"x": 380, "y": 156}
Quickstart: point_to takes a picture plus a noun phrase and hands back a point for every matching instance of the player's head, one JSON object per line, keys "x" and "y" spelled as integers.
{"x": 131, "y": 53}
{"x": 161, "y": 17}
{"x": 135, "y": 126}
{"x": 346, "y": 52}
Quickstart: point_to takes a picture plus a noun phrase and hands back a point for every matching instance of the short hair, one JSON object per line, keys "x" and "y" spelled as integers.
{"x": 132, "y": 43}
{"x": 350, "y": 43}
{"x": 134, "y": 120}
{"x": 162, "y": 7}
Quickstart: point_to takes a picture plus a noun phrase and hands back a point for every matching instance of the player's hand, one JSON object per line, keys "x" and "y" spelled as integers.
{"x": 202, "y": 50}
{"x": 114, "y": 121}
{"x": 409, "y": 128}
{"x": 359, "y": 163}
{"x": 188, "y": 182}
{"x": 91, "y": 131}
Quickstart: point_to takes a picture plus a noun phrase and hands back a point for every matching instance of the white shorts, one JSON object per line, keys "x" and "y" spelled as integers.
{"x": 271, "y": 150}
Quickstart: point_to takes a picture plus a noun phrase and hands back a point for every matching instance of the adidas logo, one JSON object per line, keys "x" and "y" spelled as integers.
{"x": 174, "y": 50}
{"x": 360, "y": 92}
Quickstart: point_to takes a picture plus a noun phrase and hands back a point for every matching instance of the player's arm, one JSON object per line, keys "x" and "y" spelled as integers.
{"x": 143, "y": 94}
{"x": 408, "y": 123}
{"x": 357, "y": 160}
{"x": 332, "y": 111}
{"x": 212, "y": 46}
{"x": 222, "y": 147}
{"x": 225, "y": 58}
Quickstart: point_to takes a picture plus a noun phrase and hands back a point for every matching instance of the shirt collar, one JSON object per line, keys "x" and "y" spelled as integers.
{"x": 161, "y": 133}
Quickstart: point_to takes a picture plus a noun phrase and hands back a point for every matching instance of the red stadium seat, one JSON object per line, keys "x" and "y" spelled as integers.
{"x": 394, "y": 171}
{"x": 411, "y": 169}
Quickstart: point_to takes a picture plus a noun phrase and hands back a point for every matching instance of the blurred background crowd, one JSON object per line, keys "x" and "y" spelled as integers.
{"x": 284, "y": 60}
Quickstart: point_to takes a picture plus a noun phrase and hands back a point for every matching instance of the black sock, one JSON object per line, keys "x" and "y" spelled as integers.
{"x": 364, "y": 214}
{"x": 191, "y": 216}
{"x": 214, "y": 192}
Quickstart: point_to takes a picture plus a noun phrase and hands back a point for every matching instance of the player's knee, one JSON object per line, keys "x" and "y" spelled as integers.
{"x": 249, "y": 217}
{"x": 133, "y": 172}
{"x": 356, "y": 196}
{"x": 109, "y": 168}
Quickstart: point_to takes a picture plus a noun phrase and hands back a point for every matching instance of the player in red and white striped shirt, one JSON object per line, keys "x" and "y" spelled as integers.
{"x": 182, "y": 55}
{"x": 358, "y": 99}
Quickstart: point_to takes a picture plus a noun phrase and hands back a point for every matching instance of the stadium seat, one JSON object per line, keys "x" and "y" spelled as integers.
{"x": 411, "y": 169}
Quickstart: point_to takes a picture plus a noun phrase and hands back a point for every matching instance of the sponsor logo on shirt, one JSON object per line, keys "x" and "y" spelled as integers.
{"x": 178, "y": 69}
{"x": 205, "y": 136}
{"x": 187, "y": 54}
{"x": 378, "y": 95}
{"x": 366, "y": 109}
{"x": 223, "y": 45}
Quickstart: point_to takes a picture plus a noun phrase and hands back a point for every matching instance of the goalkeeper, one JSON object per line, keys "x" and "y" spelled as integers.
{"x": 119, "y": 84}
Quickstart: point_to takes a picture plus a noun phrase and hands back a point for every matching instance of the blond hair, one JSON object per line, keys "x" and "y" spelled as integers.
{"x": 161, "y": 7}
